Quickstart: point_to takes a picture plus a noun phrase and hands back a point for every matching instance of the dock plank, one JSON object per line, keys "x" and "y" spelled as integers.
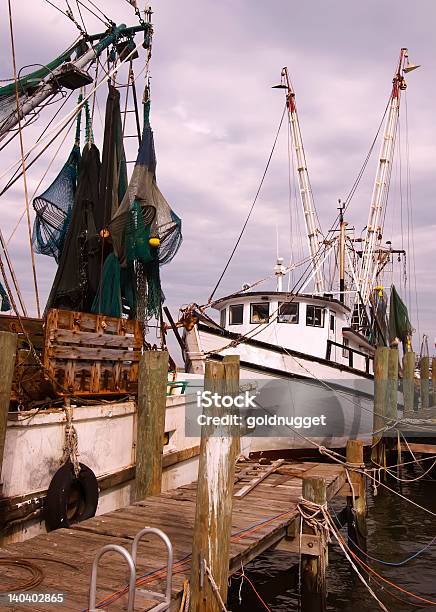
{"x": 260, "y": 520}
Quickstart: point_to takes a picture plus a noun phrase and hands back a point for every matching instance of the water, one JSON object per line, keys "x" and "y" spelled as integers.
{"x": 396, "y": 530}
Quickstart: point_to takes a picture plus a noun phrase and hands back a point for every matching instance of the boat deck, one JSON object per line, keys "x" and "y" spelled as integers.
{"x": 261, "y": 518}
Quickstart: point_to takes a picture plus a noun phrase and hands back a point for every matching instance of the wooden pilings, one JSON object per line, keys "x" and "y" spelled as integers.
{"x": 8, "y": 349}
{"x": 381, "y": 369}
{"x": 409, "y": 383}
{"x": 152, "y": 391}
{"x": 356, "y": 503}
{"x": 433, "y": 382}
{"x": 385, "y": 402}
{"x": 213, "y": 517}
{"x": 313, "y": 568}
{"x": 424, "y": 367}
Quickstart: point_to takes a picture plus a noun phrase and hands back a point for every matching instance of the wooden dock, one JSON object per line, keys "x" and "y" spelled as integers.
{"x": 262, "y": 517}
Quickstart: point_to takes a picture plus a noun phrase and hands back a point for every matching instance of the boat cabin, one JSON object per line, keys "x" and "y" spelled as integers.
{"x": 316, "y": 326}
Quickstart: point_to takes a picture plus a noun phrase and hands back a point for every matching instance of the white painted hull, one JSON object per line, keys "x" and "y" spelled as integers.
{"x": 343, "y": 395}
{"x": 106, "y": 434}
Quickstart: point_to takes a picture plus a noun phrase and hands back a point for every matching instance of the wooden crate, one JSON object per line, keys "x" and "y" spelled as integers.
{"x": 89, "y": 354}
{"x": 29, "y": 382}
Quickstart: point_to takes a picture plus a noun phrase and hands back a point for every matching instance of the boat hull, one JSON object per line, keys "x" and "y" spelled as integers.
{"x": 293, "y": 385}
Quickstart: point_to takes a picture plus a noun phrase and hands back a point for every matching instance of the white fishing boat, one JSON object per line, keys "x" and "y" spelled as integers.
{"x": 69, "y": 428}
{"x": 316, "y": 340}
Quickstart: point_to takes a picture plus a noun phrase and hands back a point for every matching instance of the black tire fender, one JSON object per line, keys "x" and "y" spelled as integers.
{"x": 63, "y": 487}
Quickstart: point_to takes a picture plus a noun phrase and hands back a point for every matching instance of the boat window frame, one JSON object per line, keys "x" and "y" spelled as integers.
{"x": 223, "y": 317}
{"x": 345, "y": 348}
{"x": 265, "y": 303}
{"x": 231, "y": 307}
{"x": 315, "y": 307}
{"x": 279, "y": 314}
{"x": 332, "y": 320}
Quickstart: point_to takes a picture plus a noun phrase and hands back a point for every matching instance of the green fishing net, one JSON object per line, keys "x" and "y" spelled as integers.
{"x": 53, "y": 209}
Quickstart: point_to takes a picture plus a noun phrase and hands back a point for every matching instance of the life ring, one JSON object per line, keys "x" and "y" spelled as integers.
{"x": 69, "y": 499}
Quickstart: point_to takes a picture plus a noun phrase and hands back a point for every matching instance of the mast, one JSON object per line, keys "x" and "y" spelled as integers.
{"x": 342, "y": 227}
{"x": 374, "y": 229}
{"x": 303, "y": 181}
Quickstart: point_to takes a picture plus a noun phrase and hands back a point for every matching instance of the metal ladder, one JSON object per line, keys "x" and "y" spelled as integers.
{"x": 163, "y": 599}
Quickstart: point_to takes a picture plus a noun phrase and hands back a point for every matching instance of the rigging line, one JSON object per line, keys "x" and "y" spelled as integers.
{"x": 365, "y": 163}
{"x": 23, "y": 164}
{"x": 81, "y": 19}
{"x": 58, "y": 9}
{"x": 409, "y": 197}
{"x": 251, "y": 208}
{"x": 39, "y": 184}
{"x": 110, "y": 22}
{"x": 16, "y": 175}
{"x": 70, "y": 115}
{"x": 95, "y": 14}
{"x": 14, "y": 278}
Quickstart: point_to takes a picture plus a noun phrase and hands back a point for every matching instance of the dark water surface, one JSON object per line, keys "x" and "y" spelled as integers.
{"x": 396, "y": 530}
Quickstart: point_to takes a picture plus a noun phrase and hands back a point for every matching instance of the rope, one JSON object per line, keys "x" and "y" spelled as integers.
{"x": 214, "y": 586}
{"x": 36, "y": 574}
{"x": 186, "y": 598}
{"x": 23, "y": 165}
{"x": 71, "y": 441}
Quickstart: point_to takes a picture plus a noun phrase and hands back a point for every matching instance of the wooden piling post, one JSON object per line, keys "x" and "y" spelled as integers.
{"x": 213, "y": 515}
{"x": 150, "y": 428}
{"x": 8, "y": 350}
{"x": 313, "y": 568}
{"x": 381, "y": 369}
{"x": 424, "y": 368}
{"x": 356, "y": 503}
{"x": 433, "y": 382}
{"x": 409, "y": 383}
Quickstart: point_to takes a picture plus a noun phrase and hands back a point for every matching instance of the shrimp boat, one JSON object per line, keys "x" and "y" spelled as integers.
{"x": 74, "y": 386}
{"x": 311, "y": 347}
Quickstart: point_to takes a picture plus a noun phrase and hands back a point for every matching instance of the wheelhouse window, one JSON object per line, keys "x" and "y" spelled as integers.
{"x": 332, "y": 322}
{"x": 288, "y": 312}
{"x": 315, "y": 316}
{"x": 345, "y": 350}
{"x": 223, "y": 317}
{"x": 237, "y": 314}
{"x": 259, "y": 313}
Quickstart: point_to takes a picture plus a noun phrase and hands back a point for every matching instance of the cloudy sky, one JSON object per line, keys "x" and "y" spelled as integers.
{"x": 215, "y": 115}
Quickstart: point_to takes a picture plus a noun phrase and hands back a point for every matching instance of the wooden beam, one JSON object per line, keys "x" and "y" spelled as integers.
{"x": 313, "y": 569}
{"x": 152, "y": 389}
{"x": 213, "y": 515}
{"x": 255, "y": 481}
{"x": 8, "y": 350}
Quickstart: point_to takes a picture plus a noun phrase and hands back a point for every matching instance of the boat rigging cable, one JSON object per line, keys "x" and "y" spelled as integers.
{"x": 330, "y": 233}
{"x": 69, "y": 117}
{"x": 26, "y": 194}
{"x": 251, "y": 209}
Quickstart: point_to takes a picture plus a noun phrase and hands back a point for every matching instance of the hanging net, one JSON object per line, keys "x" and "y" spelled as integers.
{"x": 145, "y": 232}
{"x": 53, "y": 208}
{"x": 399, "y": 323}
{"x": 163, "y": 223}
{"x": 5, "y": 304}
